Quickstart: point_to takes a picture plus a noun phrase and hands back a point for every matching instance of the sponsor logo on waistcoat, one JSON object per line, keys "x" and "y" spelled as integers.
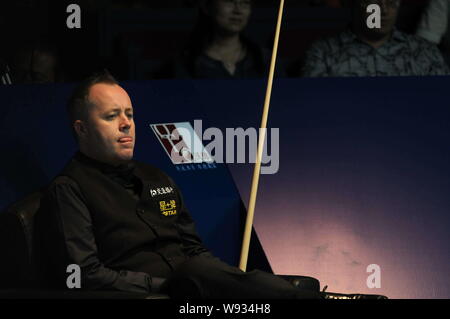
{"x": 161, "y": 191}
{"x": 168, "y": 208}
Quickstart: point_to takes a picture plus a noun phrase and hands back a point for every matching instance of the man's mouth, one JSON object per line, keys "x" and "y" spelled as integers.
{"x": 126, "y": 139}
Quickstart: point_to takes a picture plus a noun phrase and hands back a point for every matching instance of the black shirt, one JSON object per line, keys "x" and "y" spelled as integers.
{"x": 70, "y": 228}
{"x": 255, "y": 64}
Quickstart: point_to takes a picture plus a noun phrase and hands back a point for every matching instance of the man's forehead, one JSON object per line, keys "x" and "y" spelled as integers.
{"x": 109, "y": 96}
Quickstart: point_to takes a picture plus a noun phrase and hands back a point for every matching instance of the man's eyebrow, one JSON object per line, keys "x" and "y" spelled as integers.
{"x": 118, "y": 109}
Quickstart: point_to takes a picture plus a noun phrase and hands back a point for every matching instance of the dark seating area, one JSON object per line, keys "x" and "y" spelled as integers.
{"x": 20, "y": 279}
{"x": 136, "y": 41}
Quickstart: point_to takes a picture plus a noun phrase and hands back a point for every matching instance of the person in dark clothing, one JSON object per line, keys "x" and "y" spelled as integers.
{"x": 4, "y": 73}
{"x": 36, "y": 62}
{"x": 124, "y": 223}
{"x": 218, "y": 48}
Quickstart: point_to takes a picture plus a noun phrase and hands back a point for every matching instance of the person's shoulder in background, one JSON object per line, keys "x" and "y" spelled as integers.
{"x": 316, "y": 62}
{"x": 434, "y": 21}
{"x": 426, "y": 56}
{"x": 5, "y": 77}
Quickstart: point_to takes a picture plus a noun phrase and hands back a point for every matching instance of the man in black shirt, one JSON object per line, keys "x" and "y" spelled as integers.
{"x": 124, "y": 223}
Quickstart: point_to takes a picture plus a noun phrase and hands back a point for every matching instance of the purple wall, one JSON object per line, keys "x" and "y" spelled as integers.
{"x": 364, "y": 179}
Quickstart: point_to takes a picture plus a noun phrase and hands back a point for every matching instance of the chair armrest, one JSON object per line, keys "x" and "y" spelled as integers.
{"x": 74, "y": 294}
{"x": 302, "y": 282}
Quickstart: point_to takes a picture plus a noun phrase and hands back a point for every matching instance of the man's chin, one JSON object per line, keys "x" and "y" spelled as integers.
{"x": 125, "y": 156}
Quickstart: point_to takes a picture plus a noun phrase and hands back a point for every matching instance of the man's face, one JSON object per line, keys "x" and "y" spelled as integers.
{"x": 34, "y": 67}
{"x": 110, "y": 130}
{"x": 389, "y": 11}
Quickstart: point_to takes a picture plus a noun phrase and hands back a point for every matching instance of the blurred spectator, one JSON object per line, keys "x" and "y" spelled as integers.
{"x": 329, "y": 3}
{"x": 145, "y": 4}
{"x": 385, "y": 51}
{"x": 4, "y": 68}
{"x": 218, "y": 48}
{"x": 5, "y": 78}
{"x": 433, "y": 25}
{"x": 36, "y": 63}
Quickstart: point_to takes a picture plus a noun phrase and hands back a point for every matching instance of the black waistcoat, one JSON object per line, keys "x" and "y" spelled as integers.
{"x": 138, "y": 234}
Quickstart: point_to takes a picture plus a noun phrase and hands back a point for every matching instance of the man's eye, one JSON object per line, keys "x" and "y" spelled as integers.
{"x": 111, "y": 116}
{"x": 130, "y": 116}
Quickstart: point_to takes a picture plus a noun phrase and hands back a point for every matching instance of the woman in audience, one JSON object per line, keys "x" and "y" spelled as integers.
{"x": 218, "y": 48}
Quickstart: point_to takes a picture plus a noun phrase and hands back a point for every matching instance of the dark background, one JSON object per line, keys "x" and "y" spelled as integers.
{"x": 363, "y": 178}
{"x": 134, "y": 39}
{"x": 364, "y": 175}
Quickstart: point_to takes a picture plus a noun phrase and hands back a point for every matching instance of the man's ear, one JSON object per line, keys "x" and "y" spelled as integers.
{"x": 80, "y": 128}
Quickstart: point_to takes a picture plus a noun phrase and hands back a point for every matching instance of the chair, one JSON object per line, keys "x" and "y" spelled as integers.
{"x": 18, "y": 271}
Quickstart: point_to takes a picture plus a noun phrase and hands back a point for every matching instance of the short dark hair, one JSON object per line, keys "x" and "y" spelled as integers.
{"x": 78, "y": 104}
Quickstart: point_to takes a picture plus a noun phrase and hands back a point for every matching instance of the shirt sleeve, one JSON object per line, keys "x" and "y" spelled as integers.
{"x": 69, "y": 237}
{"x": 315, "y": 61}
{"x": 433, "y": 23}
{"x": 430, "y": 59}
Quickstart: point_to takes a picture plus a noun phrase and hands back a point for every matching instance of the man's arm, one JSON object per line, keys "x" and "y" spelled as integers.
{"x": 68, "y": 238}
{"x": 315, "y": 61}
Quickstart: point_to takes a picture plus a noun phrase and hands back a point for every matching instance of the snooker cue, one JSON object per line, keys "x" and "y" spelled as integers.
{"x": 262, "y": 135}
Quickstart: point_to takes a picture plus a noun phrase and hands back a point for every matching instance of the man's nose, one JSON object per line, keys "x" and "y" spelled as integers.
{"x": 125, "y": 123}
